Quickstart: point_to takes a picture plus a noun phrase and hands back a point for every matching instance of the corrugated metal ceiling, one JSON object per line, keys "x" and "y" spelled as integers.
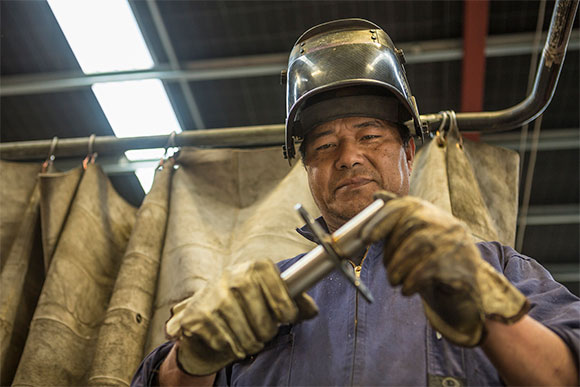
{"x": 32, "y": 45}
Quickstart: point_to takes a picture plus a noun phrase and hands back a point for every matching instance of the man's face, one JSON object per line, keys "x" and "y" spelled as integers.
{"x": 349, "y": 159}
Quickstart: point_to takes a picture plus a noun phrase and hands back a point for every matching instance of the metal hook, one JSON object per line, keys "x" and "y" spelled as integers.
{"x": 444, "y": 129}
{"x": 170, "y": 144}
{"x": 91, "y": 143}
{"x": 440, "y": 134}
{"x": 454, "y": 127}
{"x": 91, "y": 155}
{"x": 443, "y": 121}
{"x": 452, "y": 120}
{"x": 50, "y": 158}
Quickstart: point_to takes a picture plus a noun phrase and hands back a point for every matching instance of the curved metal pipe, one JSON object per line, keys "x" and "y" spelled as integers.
{"x": 547, "y": 76}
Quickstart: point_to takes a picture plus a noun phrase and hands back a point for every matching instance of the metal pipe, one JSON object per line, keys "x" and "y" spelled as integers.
{"x": 110, "y": 145}
{"x": 544, "y": 86}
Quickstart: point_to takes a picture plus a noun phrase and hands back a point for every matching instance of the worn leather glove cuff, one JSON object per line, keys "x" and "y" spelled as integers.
{"x": 233, "y": 317}
{"x": 181, "y": 367}
{"x": 193, "y": 365}
{"x": 431, "y": 253}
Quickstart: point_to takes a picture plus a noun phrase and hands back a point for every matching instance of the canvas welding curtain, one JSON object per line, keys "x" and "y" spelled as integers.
{"x": 87, "y": 280}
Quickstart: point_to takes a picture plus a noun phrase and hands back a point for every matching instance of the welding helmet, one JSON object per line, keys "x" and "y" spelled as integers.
{"x": 342, "y": 68}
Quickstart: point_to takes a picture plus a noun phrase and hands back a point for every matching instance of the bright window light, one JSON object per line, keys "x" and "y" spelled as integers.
{"x": 137, "y": 108}
{"x": 145, "y": 154}
{"x": 145, "y": 176}
{"x": 104, "y": 37}
{"x": 103, "y": 34}
{"x": 149, "y": 154}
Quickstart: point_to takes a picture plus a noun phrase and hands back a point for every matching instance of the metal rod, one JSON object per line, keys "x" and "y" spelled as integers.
{"x": 110, "y": 145}
{"x": 257, "y": 65}
{"x": 544, "y": 86}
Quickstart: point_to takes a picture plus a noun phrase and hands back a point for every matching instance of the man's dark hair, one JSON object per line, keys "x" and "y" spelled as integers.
{"x": 402, "y": 129}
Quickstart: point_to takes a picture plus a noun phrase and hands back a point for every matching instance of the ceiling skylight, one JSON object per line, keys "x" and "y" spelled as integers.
{"x": 104, "y": 37}
{"x": 137, "y": 108}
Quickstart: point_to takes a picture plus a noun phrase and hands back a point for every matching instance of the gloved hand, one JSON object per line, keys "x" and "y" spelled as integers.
{"x": 432, "y": 253}
{"x": 233, "y": 317}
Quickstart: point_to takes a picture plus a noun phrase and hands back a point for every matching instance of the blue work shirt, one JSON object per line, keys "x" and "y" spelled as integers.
{"x": 388, "y": 342}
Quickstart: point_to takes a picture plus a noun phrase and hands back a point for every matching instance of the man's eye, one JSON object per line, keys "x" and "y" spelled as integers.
{"x": 370, "y": 137}
{"x": 324, "y": 146}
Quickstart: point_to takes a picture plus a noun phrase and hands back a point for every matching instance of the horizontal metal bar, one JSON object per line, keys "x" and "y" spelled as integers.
{"x": 553, "y": 139}
{"x": 564, "y": 272}
{"x": 553, "y": 214}
{"x": 110, "y": 145}
{"x": 59, "y": 83}
{"x": 258, "y": 65}
{"x": 522, "y": 44}
{"x": 546, "y": 220}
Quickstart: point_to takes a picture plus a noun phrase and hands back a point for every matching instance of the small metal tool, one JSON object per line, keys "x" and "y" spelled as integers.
{"x": 332, "y": 252}
{"x": 324, "y": 239}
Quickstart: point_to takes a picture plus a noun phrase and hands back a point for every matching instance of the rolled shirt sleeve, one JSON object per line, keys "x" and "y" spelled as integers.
{"x": 146, "y": 374}
{"x": 552, "y": 303}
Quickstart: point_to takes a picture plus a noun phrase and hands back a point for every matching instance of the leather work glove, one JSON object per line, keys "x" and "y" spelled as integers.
{"x": 232, "y": 318}
{"x": 432, "y": 253}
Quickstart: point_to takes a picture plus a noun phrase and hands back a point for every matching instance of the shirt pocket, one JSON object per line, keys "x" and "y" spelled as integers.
{"x": 269, "y": 367}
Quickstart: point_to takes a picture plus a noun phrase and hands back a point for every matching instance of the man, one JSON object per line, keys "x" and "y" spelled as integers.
{"x": 454, "y": 321}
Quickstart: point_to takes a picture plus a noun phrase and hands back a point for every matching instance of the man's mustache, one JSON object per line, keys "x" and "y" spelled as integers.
{"x": 340, "y": 179}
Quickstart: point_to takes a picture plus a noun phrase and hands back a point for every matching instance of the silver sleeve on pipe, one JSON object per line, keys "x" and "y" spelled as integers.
{"x": 316, "y": 264}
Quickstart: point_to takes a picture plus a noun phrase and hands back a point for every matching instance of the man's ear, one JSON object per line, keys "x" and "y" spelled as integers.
{"x": 410, "y": 153}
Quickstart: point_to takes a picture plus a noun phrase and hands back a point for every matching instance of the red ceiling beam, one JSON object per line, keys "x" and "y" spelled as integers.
{"x": 475, "y": 22}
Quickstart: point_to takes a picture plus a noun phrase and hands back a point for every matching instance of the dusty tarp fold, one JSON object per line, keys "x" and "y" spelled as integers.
{"x": 476, "y": 182}
{"x": 124, "y": 330}
{"x": 227, "y": 206}
{"x": 20, "y": 283}
{"x": 429, "y": 177}
{"x": 60, "y": 345}
{"x": 17, "y": 182}
{"x": 57, "y": 191}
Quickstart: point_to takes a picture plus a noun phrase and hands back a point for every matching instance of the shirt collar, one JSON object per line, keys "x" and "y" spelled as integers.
{"x": 306, "y": 233}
